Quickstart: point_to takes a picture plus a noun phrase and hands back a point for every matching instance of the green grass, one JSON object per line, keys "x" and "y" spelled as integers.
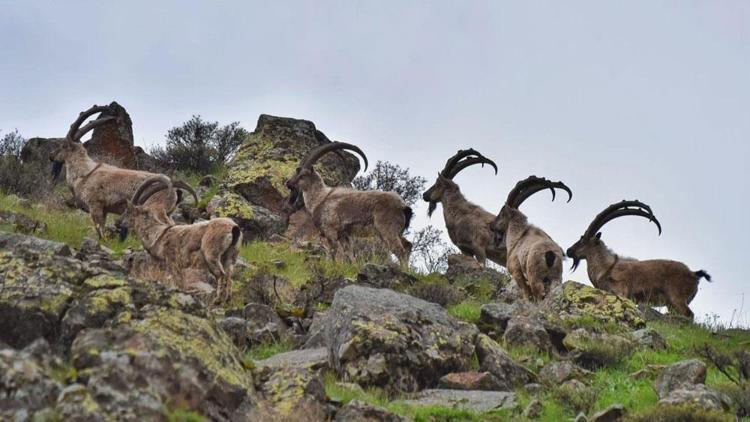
{"x": 468, "y": 310}
{"x": 182, "y": 415}
{"x": 63, "y": 225}
{"x": 266, "y": 350}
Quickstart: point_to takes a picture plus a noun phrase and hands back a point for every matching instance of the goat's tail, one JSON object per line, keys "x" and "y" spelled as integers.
{"x": 702, "y": 274}
{"x": 236, "y": 235}
{"x": 408, "y": 214}
{"x": 549, "y": 258}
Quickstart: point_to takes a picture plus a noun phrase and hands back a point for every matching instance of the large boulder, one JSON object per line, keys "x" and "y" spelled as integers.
{"x": 573, "y": 300}
{"x": 493, "y": 359}
{"x": 678, "y": 375}
{"x": 112, "y": 142}
{"x": 382, "y": 338}
{"x": 256, "y": 222}
{"x": 269, "y": 157}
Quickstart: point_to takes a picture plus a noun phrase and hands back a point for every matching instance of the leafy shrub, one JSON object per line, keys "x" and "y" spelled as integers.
{"x": 390, "y": 177}
{"x": 429, "y": 252}
{"x": 199, "y": 146}
{"x": 23, "y": 179}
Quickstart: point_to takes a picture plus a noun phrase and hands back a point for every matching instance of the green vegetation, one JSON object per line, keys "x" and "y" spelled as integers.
{"x": 467, "y": 310}
{"x": 63, "y": 225}
{"x": 182, "y": 415}
{"x": 266, "y": 350}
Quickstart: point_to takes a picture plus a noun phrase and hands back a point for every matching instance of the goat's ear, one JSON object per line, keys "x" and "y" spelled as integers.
{"x": 599, "y": 236}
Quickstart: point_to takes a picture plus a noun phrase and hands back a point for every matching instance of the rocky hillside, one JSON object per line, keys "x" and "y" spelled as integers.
{"x": 303, "y": 338}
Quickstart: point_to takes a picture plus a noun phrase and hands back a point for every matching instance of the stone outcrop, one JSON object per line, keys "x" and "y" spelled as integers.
{"x": 253, "y": 191}
{"x": 382, "y": 338}
{"x": 112, "y": 142}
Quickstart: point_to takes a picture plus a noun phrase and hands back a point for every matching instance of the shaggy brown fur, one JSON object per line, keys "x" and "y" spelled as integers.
{"x": 336, "y": 210}
{"x": 534, "y": 259}
{"x": 102, "y": 188}
{"x": 209, "y": 245}
{"x": 194, "y": 281}
{"x": 468, "y": 224}
{"x": 657, "y": 282}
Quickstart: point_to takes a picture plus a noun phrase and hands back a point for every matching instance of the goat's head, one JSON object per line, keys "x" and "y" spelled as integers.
{"x": 71, "y": 146}
{"x": 444, "y": 182}
{"x": 305, "y": 176}
{"x": 521, "y": 192}
{"x": 137, "y": 214}
{"x": 591, "y": 238}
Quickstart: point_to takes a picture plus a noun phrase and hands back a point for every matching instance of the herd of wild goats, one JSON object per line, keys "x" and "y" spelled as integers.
{"x": 210, "y": 248}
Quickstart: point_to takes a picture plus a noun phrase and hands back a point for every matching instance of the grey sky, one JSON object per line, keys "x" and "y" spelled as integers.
{"x": 647, "y": 100}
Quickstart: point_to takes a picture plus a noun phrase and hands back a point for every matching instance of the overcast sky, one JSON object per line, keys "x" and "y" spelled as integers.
{"x": 638, "y": 99}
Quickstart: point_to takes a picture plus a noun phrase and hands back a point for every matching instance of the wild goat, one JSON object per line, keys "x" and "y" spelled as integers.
{"x": 100, "y": 187}
{"x": 211, "y": 245}
{"x": 534, "y": 259}
{"x": 658, "y": 282}
{"x": 468, "y": 224}
{"x": 335, "y": 210}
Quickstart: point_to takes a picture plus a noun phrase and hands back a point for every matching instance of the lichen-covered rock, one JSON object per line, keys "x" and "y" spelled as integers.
{"x": 358, "y": 411}
{"x": 466, "y": 270}
{"x": 648, "y": 337}
{"x": 470, "y": 380}
{"x": 493, "y": 359}
{"x": 136, "y": 370}
{"x": 26, "y": 385}
{"x": 572, "y": 300}
{"x": 112, "y": 142}
{"x": 388, "y": 339}
{"x": 384, "y": 277}
{"x": 289, "y": 394}
{"x": 684, "y": 373}
{"x": 255, "y": 221}
{"x": 19, "y": 242}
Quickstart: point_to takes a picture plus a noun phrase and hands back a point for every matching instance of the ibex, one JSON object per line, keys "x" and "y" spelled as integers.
{"x": 534, "y": 259}
{"x": 468, "y": 224}
{"x": 209, "y": 245}
{"x": 100, "y": 187}
{"x": 335, "y": 210}
{"x": 658, "y": 282}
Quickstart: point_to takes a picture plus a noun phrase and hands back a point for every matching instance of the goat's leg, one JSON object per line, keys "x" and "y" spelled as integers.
{"x": 331, "y": 237}
{"x": 99, "y": 216}
{"x": 390, "y": 231}
{"x": 517, "y": 274}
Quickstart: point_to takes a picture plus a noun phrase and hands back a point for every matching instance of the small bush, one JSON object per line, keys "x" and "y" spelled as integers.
{"x": 429, "y": 252}
{"x": 443, "y": 294}
{"x": 576, "y": 397}
{"x": 390, "y": 177}
{"x": 199, "y": 146}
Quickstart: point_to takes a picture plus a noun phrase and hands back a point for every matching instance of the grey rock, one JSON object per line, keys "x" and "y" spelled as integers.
{"x": 470, "y": 380}
{"x": 314, "y": 359}
{"x": 358, "y": 411}
{"x": 476, "y": 401}
{"x": 650, "y": 338}
{"x": 697, "y": 394}
{"x": 678, "y": 375}
{"x": 557, "y": 372}
{"x": 383, "y": 338}
{"x": 525, "y": 331}
{"x": 316, "y": 333}
{"x": 20, "y": 241}
{"x": 613, "y": 413}
{"x": 254, "y": 324}
{"x": 384, "y": 276}
{"x": 493, "y": 359}
{"x": 22, "y": 222}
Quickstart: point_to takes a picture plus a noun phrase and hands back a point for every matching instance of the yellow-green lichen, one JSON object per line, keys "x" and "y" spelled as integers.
{"x": 195, "y": 338}
{"x": 105, "y": 300}
{"x": 233, "y": 205}
{"x": 104, "y": 281}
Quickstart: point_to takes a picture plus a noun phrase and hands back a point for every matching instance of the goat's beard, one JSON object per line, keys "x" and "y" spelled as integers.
{"x": 431, "y": 208}
{"x": 57, "y": 167}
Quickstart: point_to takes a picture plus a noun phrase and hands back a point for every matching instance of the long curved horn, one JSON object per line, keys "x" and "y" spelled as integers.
{"x": 621, "y": 209}
{"x": 531, "y": 185}
{"x": 179, "y": 184}
{"x": 470, "y": 162}
{"x": 458, "y": 156}
{"x": 322, "y": 150}
{"x": 160, "y": 178}
{"x": 76, "y": 132}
